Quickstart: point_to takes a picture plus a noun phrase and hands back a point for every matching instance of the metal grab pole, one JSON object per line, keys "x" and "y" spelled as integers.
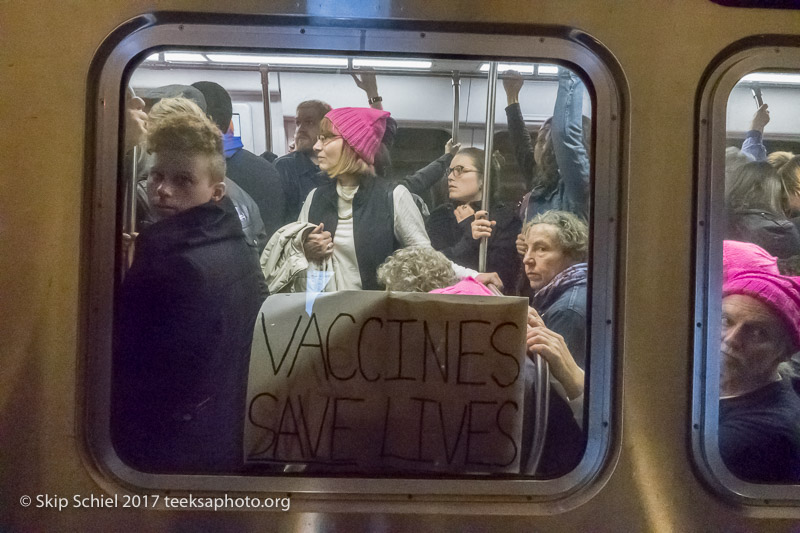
{"x": 491, "y": 96}
{"x": 542, "y": 387}
{"x": 542, "y": 371}
{"x": 456, "y": 104}
{"x": 129, "y": 226}
{"x": 267, "y": 114}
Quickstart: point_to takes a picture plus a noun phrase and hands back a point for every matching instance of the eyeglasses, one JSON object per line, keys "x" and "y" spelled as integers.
{"x": 458, "y": 170}
{"x": 325, "y": 139}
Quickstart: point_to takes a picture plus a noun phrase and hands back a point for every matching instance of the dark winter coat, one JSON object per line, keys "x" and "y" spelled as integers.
{"x": 454, "y": 240}
{"x": 183, "y": 327}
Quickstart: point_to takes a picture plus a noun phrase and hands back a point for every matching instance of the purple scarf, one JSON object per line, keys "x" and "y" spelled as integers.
{"x": 569, "y": 277}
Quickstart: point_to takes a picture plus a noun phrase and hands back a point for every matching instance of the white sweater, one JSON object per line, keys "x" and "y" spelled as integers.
{"x": 409, "y": 230}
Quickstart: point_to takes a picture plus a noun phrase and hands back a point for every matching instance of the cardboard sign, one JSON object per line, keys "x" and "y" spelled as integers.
{"x": 377, "y": 382}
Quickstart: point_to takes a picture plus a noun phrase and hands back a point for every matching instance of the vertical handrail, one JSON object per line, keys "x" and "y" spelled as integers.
{"x": 129, "y": 225}
{"x": 541, "y": 386}
{"x": 456, "y": 105}
{"x": 541, "y": 383}
{"x": 491, "y": 96}
{"x": 267, "y": 114}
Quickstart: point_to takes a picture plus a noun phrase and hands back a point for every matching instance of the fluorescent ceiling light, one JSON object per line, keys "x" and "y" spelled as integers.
{"x": 185, "y": 56}
{"x": 153, "y": 57}
{"x": 547, "y": 69}
{"x": 296, "y": 61}
{"x": 502, "y": 67}
{"x": 393, "y": 63}
{"x": 772, "y": 77}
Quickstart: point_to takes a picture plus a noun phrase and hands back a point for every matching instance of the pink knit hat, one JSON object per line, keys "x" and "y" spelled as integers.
{"x": 746, "y": 256}
{"x": 468, "y": 285}
{"x": 361, "y": 127}
{"x": 780, "y": 293}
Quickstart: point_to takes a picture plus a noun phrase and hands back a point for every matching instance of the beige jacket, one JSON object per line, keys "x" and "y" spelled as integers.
{"x": 284, "y": 263}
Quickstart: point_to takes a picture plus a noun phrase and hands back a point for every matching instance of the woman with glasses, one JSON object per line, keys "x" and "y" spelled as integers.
{"x": 360, "y": 220}
{"x": 455, "y": 228}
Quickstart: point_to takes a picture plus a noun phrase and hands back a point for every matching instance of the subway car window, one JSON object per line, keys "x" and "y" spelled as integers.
{"x": 759, "y": 418}
{"x": 336, "y": 266}
{"x": 756, "y": 287}
{"x": 375, "y": 286}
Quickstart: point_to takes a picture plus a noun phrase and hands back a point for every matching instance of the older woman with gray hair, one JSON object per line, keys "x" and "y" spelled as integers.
{"x": 556, "y": 249}
{"x": 557, "y": 244}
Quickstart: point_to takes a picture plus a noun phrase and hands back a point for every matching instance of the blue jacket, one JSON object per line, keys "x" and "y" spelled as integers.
{"x": 567, "y": 317}
{"x": 572, "y": 192}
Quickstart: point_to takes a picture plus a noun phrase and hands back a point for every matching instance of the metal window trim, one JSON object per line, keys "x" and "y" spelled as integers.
{"x": 605, "y": 82}
{"x": 741, "y": 58}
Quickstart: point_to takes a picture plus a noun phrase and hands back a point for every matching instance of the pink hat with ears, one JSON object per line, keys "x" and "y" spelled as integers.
{"x": 746, "y": 256}
{"x": 361, "y": 127}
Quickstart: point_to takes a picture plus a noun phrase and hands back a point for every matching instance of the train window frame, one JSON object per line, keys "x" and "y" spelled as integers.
{"x": 758, "y": 4}
{"x": 137, "y": 39}
{"x": 761, "y": 53}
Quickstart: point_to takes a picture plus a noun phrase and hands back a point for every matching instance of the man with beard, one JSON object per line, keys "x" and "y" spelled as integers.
{"x": 298, "y": 170}
{"x": 759, "y": 412}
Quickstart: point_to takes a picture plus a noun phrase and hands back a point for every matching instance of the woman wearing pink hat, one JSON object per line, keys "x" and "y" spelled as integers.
{"x": 360, "y": 219}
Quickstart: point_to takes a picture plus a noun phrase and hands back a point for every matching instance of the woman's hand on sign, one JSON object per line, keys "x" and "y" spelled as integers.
{"x": 490, "y": 277}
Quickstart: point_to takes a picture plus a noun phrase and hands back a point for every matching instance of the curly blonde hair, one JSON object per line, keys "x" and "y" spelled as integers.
{"x": 178, "y": 124}
{"x": 416, "y": 269}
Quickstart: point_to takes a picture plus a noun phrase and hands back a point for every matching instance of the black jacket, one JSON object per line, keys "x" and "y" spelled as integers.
{"x": 373, "y": 223}
{"x": 259, "y": 178}
{"x": 454, "y": 240}
{"x": 759, "y": 434}
{"x": 299, "y": 176}
{"x": 522, "y": 142}
{"x": 423, "y": 179}
{"x": 183, "y": 327}
{"x": 247, "y": 210}
{"x": 777, "y": 235}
